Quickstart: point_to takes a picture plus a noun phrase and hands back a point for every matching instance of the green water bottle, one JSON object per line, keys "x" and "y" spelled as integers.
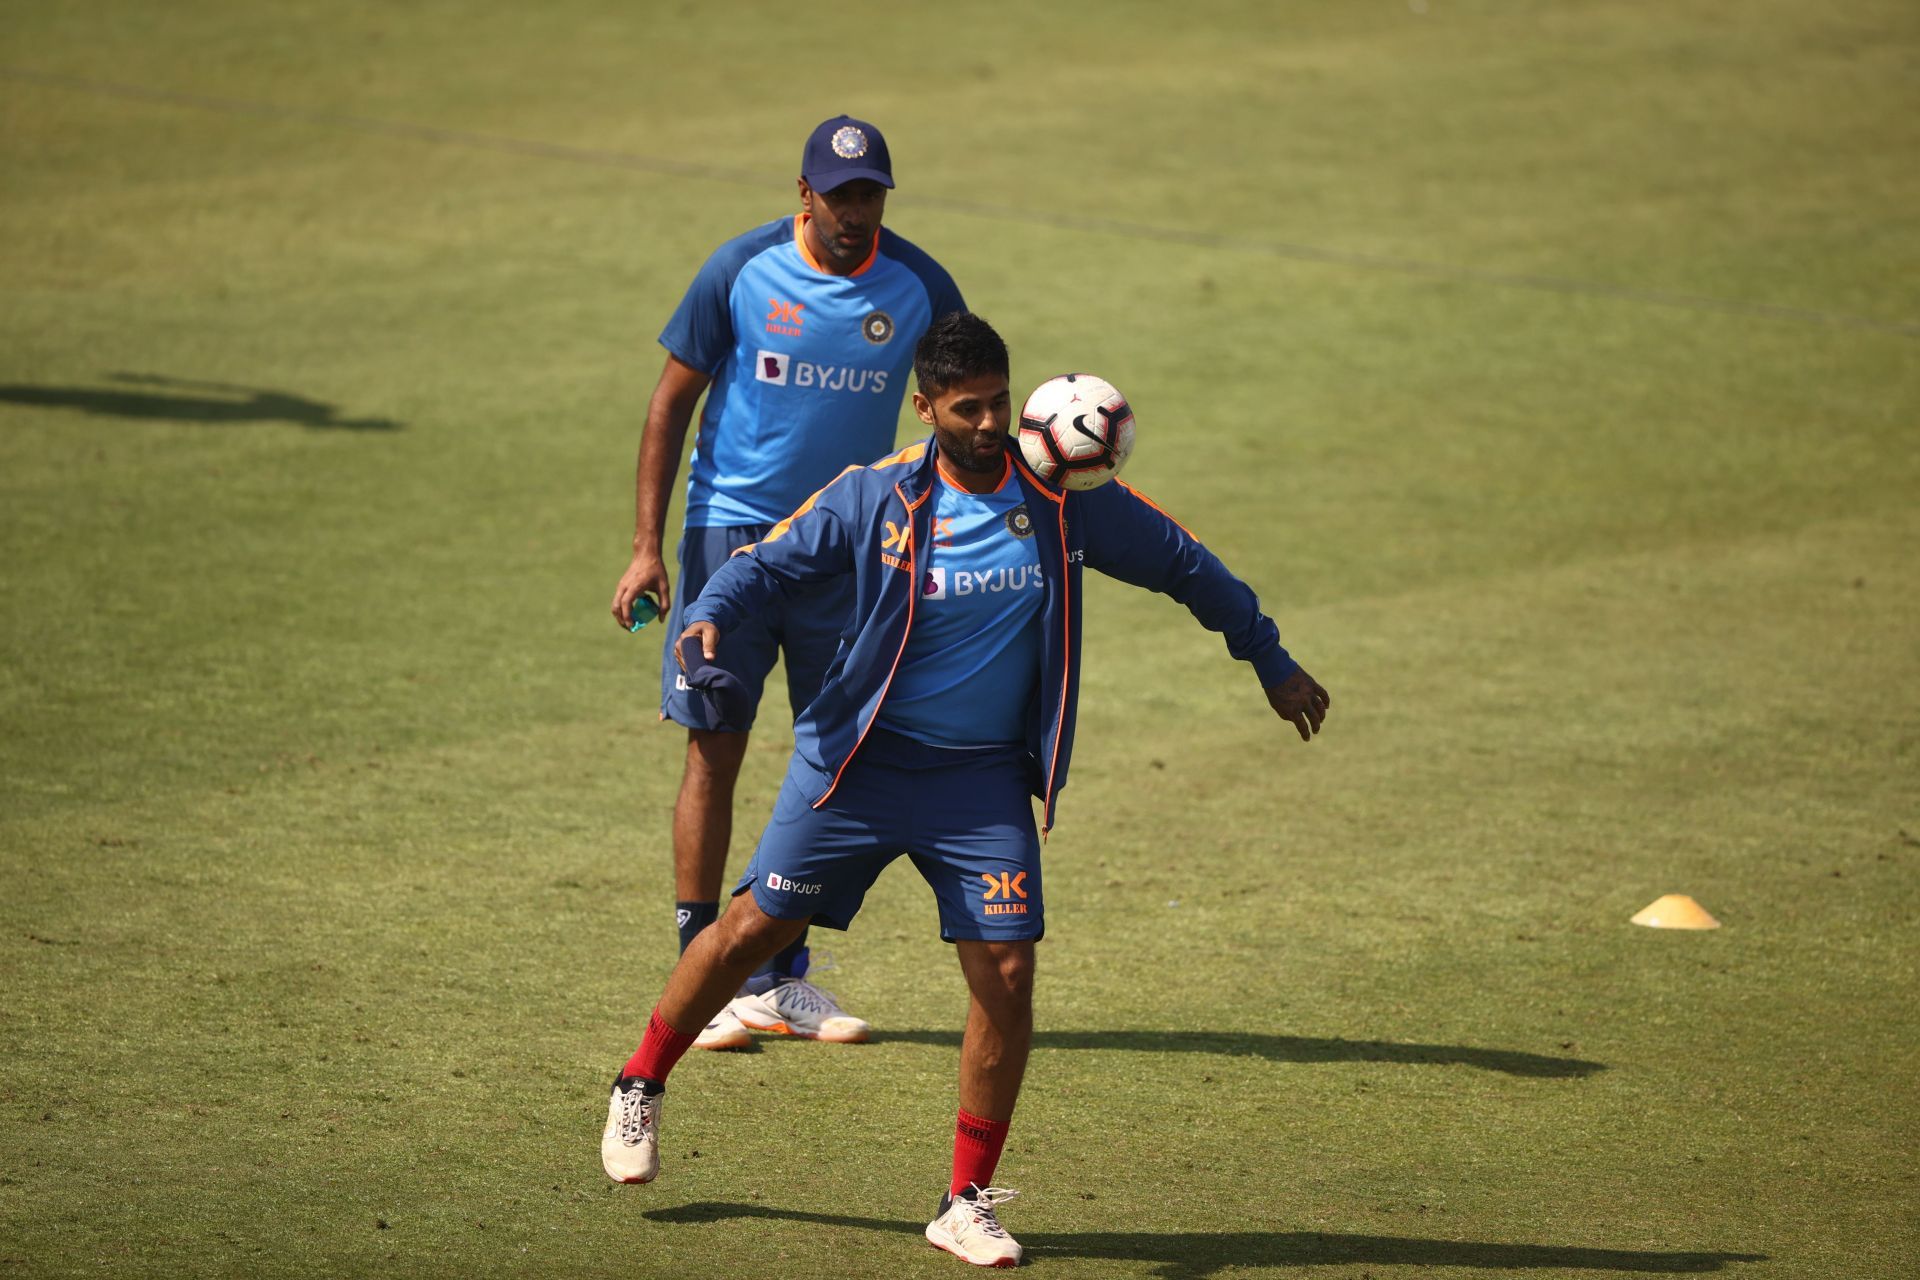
{"x": 644, "y": 610}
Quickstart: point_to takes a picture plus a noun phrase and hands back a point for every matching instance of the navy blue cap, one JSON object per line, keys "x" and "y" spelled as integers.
{"x": 842, "y": 149}
{"x": 728, "y": 705}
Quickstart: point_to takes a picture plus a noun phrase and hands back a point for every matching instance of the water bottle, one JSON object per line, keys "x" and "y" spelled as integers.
{"x": 644, "y": 610}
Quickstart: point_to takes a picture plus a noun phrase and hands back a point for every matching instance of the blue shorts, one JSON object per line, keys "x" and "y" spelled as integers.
{"x": 965, "y": 818}
{"x": 806, "y": 625}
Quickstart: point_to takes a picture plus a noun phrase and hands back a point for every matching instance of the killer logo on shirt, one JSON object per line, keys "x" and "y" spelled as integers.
{"x": 877, "y": 328}
{"x": 785, "y": 317}
{"x": 1019, "y": 523}
{"x": 893, "y": 547}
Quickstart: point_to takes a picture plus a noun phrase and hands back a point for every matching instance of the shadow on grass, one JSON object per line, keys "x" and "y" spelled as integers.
{"x": 231, "y": 404}
{"x": 1286, "y": 1049}
{"x": 1194, "y": 1255}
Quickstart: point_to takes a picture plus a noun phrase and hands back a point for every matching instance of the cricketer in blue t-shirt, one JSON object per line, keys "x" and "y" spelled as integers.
{"x": 949, "y": 712}
{"x": 801, "y": 334}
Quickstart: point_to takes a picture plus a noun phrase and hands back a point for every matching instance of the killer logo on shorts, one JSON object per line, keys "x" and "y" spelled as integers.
{"x": 1019, "y": 523}
{"x": 850, "y": 143}
{"x": 1002, "y": 890}
{"x": 877, "y": 328}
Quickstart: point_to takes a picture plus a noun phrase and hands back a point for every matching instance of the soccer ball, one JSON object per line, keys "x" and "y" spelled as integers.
{"x": 1076, "y": 431}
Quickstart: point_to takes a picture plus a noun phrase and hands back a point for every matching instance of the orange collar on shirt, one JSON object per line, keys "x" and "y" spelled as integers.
{"x": 954, "y": 482}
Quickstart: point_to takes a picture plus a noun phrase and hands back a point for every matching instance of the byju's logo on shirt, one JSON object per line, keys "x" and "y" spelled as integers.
{"x": 937, "y": 586}
{"x": 782, "y": 370}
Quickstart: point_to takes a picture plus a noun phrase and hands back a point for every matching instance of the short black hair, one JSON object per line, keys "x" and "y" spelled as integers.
{"x": 959, "y": 346}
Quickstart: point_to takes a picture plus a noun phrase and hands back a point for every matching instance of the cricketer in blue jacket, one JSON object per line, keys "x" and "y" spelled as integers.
{"x": 855, "y": 526}
{"x": 948, "y": 706}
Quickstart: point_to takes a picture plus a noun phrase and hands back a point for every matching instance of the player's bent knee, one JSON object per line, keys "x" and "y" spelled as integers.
{"x": 747, "y": 934}
{"x": 713, "y": 754}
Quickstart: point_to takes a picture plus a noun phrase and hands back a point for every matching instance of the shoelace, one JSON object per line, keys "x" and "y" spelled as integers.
{"x": 804, "y": 994}
{"x": 981, "y": 1208}
{"x": 636, "y": 1116}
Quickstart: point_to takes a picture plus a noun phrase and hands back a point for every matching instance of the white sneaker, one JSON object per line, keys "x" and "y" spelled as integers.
{"x": 630, "y": 1144}
{"x": 726, "y": 1031}
{"x": 798, "y": 1008}
{"x": 968, "y": 1229}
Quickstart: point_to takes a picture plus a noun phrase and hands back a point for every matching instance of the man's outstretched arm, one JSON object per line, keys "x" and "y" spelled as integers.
{"x": 1132, "y": 539}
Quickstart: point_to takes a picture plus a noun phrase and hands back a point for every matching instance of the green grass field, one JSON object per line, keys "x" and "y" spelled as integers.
{"x": 1552, "y": 370}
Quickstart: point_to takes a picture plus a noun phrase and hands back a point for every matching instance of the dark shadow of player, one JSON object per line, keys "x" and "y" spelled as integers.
{"x": 1195, "y": 1255}
{"x": 1276, "y": 1048}
{"x": 233, "y": 405}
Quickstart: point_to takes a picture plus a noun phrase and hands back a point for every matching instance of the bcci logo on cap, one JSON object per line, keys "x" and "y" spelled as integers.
{"x": 849, "y": 143}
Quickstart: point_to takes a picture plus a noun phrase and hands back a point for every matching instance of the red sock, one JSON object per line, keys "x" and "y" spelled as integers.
{"x": 976, "y": 1151}
{"x": 659, "y": 1049}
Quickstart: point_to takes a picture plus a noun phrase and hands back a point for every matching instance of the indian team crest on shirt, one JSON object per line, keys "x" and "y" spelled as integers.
{"x": 1019, "y": 523}
{"x": 850, "y": 143}
{"x": 877, "y": 327}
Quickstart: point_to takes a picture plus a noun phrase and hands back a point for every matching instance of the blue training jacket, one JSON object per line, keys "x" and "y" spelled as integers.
{"x": 872, "y": 522}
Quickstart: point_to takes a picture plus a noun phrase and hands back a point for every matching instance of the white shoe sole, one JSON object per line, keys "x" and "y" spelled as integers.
{"x": 729, "y": 1040}
{"x": 628, "y": 1179}
{"x": 827, "y": 1035}
{"x": 946, "y": 1243}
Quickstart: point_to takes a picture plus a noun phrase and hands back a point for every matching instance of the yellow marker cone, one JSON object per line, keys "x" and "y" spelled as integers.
{"x": 1675, "y": 911}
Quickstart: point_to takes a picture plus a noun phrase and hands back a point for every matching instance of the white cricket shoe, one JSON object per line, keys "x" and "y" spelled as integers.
{"x": 726, "y": 1031}
{"x": 798, "y": 1008}
{"x": 630, "y": 1144}
{"x": 968, "y": 1229}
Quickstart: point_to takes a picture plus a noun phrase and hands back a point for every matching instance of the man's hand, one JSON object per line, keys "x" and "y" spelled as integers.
{"x": 709, "y": 643}
{"x": 647, "y": 575}
{"x": 1300, "y": 699}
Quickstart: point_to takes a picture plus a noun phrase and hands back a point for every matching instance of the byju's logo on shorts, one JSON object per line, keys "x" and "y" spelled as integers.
{"x": 771, "y": 366}
{"x": 934, "y": 585}
{"x": 1006, "y": 895}
{"x": 780, "y": 883}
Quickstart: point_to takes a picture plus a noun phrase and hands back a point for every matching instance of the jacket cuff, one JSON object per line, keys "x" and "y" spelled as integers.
{"x": 1273, "y": 666}
{"x": 705, "y": 611}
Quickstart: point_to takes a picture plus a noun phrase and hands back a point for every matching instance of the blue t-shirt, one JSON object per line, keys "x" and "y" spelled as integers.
{"x": 972, "y": 659}
{"x": 808, "y": 367}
